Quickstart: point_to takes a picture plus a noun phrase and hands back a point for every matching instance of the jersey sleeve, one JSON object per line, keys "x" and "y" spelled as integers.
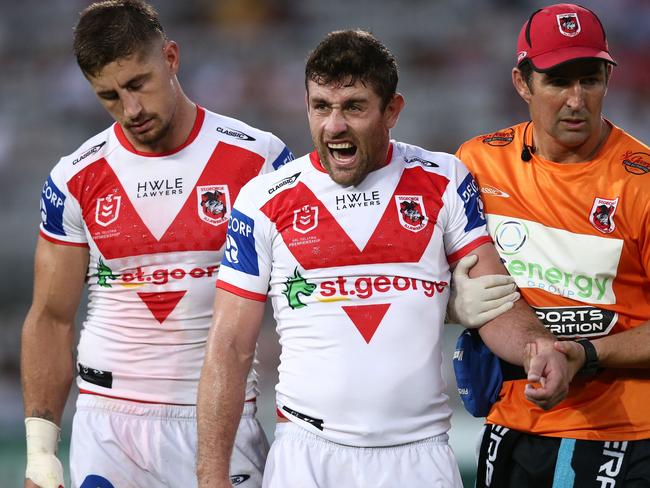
{"x": 246, "y": 265}
{"x": 278, "y": 155}
{"x": 466, "y": 228}
{"x": 61, "y": 217}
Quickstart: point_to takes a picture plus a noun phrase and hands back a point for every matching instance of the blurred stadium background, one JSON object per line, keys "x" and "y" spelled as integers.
{"x": 245, "y": 58}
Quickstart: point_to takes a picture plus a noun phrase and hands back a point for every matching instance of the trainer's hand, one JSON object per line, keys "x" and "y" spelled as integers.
{"x": 549, "y": 374}
{"x": 44, "y": 470}
{"x": 574, "y": 352}
{"x": 475, "y": 301}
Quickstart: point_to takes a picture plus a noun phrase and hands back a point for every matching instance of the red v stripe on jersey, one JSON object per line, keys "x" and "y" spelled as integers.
{"x": 328, "y": 244}
{"x": 366, "y": 318}
{"x": 161, "y": 304}
{"x": 129, "y": 235}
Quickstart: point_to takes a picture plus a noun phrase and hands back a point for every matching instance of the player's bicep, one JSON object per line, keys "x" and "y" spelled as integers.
{"x": 59, "y": 276}
{"x": 236, "y": 324}
{"x": 489, "y": 262}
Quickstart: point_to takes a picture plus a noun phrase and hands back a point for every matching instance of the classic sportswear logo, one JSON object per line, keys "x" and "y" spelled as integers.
{"x": 423, "y": 162}
{"x": 289, "y": 181}
{"x": 602, "y": 214}
{"x": 578, "y": 266}
{"x": 90, "y": 151}
{"x": 238, "y": 479}
{"x": 235, "y": 133}
{"x": 494, "y": 192}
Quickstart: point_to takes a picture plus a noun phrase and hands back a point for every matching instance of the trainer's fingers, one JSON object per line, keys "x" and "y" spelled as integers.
{"x": 495, "y": 312}
{"x": 496, "y": 280}
{"x": 490, "y": 302}
{"x": 464, "y": 265}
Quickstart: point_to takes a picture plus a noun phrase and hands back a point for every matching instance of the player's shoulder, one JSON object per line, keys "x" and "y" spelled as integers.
{"x": 93, "y": 149}
{"x": 265, "y": 186}
{"x": 236, "y": 132}
{"x": 438, "y": 162}
{"x": 630, "y": 158}
{"x": 499, "y": 140}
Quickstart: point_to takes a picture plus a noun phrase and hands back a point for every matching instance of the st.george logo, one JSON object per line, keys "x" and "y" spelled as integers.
{"x": 107, "y": 210}
{"x": 411, "y": 212}
{"x": 305, "y": 219}
{"x": 569, "y": 24}
{"x": 602, "y": 214}
{"x": 213, "y": 203}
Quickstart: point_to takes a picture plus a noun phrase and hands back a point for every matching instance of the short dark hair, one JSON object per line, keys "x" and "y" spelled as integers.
{"x": 526, "y": 67}
{"x": 114, "y": 29}
{"x": 348, "y": 56}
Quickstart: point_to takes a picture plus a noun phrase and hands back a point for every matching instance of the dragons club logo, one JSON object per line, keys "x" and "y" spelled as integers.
{"x": 213, "y": 203}
{"x": 295, "y": 286}
{"x": 602, "y": 214}
{"x": 412, "y": 215}
{"x": 569, "y": 24}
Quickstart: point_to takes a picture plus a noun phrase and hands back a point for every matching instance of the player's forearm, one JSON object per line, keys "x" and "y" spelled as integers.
{"x": 46, "y": 366}
{"x": 508, "y": 334}
{"x": 628, "y": 349}
{"x": 221, "y": 396}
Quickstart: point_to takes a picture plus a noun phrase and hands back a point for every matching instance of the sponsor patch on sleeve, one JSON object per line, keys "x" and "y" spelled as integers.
{"x": 469, "y": 193}
{"x": 52, "y": 204}
{"x": 285, "y": 156}
{"x": 240, "y": 251}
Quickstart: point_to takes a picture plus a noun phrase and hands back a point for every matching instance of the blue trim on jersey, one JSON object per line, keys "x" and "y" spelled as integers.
{"x": 96, "y": 481}
{"x": 240, "y": 253}
{"x": 468, "y": 191}
{"x": 285, "y": 156}
{"x": 564, "y": 476}
{"x": 52, "y": 204}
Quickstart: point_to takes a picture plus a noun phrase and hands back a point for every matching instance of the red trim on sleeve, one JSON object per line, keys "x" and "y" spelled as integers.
{"x": 57, "y": 241}
{"x": 235, "y": 290}
{"x": 464, "y": 251}
{"x": 198, "y": 122}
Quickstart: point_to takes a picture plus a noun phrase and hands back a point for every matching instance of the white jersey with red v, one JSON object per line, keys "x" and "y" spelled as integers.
{"x": 155, "y": 225}
{"x": 358, "y": 277}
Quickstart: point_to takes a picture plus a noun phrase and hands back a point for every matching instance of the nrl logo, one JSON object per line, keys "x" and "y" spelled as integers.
{"x": 213, "y": 203}
{"x": 107, "y": 210}
{"x": 305, "y": 219}
{"x": 411, "y": 212}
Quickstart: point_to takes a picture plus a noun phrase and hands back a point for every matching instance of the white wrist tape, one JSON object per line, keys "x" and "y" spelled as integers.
{"x": 43, "y": 467}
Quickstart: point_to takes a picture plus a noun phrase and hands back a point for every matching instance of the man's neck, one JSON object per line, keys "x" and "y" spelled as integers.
{"x": 551, "y": 150}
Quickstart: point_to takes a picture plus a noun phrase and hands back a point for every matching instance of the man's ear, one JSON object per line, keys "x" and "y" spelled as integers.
{"x": 520, "y": 85}
{"x": 171, "y": 54}
{"x": 393, "y": 109}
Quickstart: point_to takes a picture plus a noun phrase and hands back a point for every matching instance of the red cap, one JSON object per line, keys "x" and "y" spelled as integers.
{"x": 560, "y": 33}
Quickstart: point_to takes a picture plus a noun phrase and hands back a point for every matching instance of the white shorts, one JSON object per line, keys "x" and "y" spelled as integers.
{"x": 123, "y": 444}
{"x": 300, "y": 459}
